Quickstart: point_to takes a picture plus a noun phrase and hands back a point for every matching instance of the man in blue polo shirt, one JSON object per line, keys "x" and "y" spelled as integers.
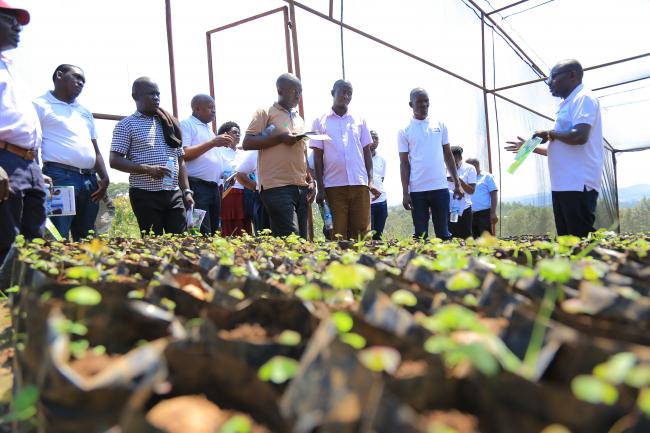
{"x": 484, "y": 201}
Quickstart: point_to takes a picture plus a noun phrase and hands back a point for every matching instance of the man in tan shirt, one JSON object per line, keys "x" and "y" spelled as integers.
{"x": 285, "y": 186}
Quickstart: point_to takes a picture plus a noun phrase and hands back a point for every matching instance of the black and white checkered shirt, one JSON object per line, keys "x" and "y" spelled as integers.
{"x": 140, "y": 138}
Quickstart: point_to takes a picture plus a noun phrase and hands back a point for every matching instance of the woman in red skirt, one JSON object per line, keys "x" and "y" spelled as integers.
{"x": 233, "y": 218}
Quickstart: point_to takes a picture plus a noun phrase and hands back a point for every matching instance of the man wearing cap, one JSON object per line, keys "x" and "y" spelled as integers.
{"x": 22, "y": 189}
{"x": 71, "y": 156}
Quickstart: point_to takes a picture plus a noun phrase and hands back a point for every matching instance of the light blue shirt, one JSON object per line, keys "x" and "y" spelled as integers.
{"x": 484, "y": 186}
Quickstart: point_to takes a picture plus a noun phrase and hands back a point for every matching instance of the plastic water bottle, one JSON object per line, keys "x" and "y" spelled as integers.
{"x": 327, "y": 217}
{"x": 456, "y": 209}
{"x": 168, "y": 180}
{"x": 268, "y": 130}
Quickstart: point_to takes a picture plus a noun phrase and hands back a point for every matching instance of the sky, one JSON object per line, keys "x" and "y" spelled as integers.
{"x": 118, "y": 41}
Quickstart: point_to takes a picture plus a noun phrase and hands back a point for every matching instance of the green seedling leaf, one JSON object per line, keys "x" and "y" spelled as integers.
{"x": 380, "y": 358}
{"x": 568, "y": 241}
{"x": 70, "y": 327}
{"x": 98, "y": 350}
{"x": 343, "y": 321}
{"x": 453, "y": 318}
{"x": 351, "y": 276}
{"x": 556, "y": 428}
{"x": 594, "y": 390}
{"x": 83, "y": 295}
{"x": 644, "y": 401}
{"x": 79, "y": 348}
{"x": 236, "y": 424}
{"x": 639, "y": 376}
{"x": 404, "y": 297}
{"x": 289, "y": 338}
{"x": 480, "y": 358}
{"x": 23, "y": 406}
{"x": 237, "y": 293}
{"x": 555, "y": 270}
{"x": 616, "y": 369}
{"x": 82, "y": 273}
{"x": 439, "y": 344}
{"x": 463, "y": 280}
{"x": 353, "y": 339}
{"x": 309, "y": 292}
{"x": 438, "y": 427}
{"x": 278, "y": 369}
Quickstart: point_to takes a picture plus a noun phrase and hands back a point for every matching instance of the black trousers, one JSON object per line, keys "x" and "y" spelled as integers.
{"x": 286, "y": 207}
{"x": 481, "y": 222}
{"x": 574, "y": 212}
{"x": 158, "y": 211}
{"x": 463, "y": 228}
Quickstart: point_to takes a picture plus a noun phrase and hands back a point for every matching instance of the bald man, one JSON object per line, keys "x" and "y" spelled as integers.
{"x": 204, "y": 160}
{"x": 285, "y": 186}
{"x": 575, "y": 151}
{"x": 158, "y": 188}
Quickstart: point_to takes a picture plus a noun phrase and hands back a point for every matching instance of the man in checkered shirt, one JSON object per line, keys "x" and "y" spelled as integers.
{"x": 140, "y": 149}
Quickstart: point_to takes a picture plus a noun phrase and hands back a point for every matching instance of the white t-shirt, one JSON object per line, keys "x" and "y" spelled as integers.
{"x": 248, "y": 164}
{"x": 466, "y": 172}
{"x": 378, "y": 173}
{"x": 67, "y": 132}
{"x": 232, "y": 159}
{"x": 574, "y": 167}
{"x": 423, "y": 140}
{"x": 209, "y": 166}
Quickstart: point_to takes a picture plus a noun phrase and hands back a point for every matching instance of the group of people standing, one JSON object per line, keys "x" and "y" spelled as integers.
{"x": 177, "y": 166}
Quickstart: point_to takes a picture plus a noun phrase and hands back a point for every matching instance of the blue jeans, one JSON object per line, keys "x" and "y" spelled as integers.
{"x": 86, "y": 209}
{"x": 378, "y": 215}
{"x": 24, "y": 212}
{"x": 433, "y": 203}
{"x": 207, "y": 197}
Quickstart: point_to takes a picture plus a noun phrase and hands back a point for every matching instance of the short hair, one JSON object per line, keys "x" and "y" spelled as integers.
{"x": 457, "y": 150}
{"x": 63, "y": 69}
{"x": 287, "y": 79}
{"x": 200, "y": 99}
{"x": 417, "y": 91}
{"x": 473, "y": 161}
{"x": 340, "y": 83}
{"x": 571, "y": 65}
{"x": 227, "y": 127}
{"x": 141, "y": 81}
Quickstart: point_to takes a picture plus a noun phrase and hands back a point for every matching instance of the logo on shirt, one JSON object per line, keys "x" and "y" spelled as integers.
{"x": 435, "y": 130}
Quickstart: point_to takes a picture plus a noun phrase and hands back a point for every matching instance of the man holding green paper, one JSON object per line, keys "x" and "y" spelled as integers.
{"x": 575, "y": 151}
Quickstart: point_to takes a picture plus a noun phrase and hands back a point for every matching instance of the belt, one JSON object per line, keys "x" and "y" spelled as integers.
{"x": 84, "y": 171}
{"x": 26, "y": 154}
{"x": 205, "y": 182}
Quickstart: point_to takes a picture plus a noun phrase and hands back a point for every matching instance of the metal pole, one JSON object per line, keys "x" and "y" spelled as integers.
{"x": 506, "y": 7}
{"x": 170, "y": 53}
{"x": 296, "y": 52}
{"x": 507, "y": 36}
{"x": 485, "y": 101}
{"x": 380, "y": 41}
{"x": 590, "y": 68}
{"x": 208, "y": 40}
{"x": 103, "y": 116}
{"x": 618, "y": 213}
{"x": 287, "y": 39}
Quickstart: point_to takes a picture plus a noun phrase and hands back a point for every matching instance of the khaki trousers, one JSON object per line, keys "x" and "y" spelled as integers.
{"x": 350, "y": 207}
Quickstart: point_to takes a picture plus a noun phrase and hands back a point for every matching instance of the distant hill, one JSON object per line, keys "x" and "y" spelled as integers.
{"x": 628, "y": 196}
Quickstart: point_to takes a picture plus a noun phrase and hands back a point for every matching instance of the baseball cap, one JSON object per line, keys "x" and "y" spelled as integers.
{"x": 21, "y": 14}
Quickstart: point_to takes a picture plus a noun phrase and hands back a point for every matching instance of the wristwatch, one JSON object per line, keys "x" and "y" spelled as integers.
{"x": 188, "y": 191}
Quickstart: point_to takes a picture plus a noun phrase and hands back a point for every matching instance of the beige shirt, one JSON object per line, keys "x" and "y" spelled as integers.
{"x": 280, "y": 165}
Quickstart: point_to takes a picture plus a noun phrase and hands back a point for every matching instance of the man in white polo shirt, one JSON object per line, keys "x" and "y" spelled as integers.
{"x": 575, "y": 151}
{"x": 203, "y": 160}
{"x": 423, "y": 152}
{"x": 343, "y": 165}
{"x": 71, "y": 156}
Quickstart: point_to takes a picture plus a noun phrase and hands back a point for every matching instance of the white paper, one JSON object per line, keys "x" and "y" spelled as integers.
{"x": 317, "y": 136}
{"x": 60, "y": 202}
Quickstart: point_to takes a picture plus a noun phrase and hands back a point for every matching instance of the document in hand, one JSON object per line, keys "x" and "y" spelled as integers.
{"x": 228, "y": 184}
{"x": 526, "y": 149}
{"x": 194, "y": 217}
{"x": 313, "y": 135}
{"x": 60, "y": 202}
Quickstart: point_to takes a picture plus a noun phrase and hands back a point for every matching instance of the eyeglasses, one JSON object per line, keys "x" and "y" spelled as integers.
{"x": 9, "y": 19}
